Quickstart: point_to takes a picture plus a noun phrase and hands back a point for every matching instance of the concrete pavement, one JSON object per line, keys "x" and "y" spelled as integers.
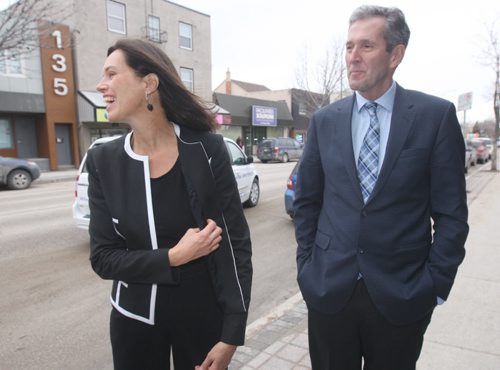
{"x": 56, "y": 176}
{"x": 464, "y": 333}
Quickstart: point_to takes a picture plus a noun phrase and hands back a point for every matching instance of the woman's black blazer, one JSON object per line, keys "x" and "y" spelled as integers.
{"x": 122, "y": 228}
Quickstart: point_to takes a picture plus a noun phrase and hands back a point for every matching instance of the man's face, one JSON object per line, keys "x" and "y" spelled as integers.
{"x": 370, "y": 66}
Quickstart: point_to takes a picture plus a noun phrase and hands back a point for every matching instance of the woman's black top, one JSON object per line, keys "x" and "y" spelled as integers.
{"x": 172, "y": 212}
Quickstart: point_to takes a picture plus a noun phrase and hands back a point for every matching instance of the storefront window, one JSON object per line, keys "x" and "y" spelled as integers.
{"x": 10, "y": 65}
{"x": 6, "y": 140}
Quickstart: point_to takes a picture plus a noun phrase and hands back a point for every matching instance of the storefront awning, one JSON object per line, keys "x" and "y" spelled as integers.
{"x": 21, "y": 102}
{"x": 91, "y": 106}
{"x": 241, "y": 109}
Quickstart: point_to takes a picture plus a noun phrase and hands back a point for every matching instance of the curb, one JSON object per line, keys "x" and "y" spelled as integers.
{"x": 274, "y": 314}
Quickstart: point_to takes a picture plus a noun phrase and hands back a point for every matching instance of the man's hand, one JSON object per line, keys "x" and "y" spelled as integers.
{"x": 218, "y": 358}
{"x": 196, "y": 243}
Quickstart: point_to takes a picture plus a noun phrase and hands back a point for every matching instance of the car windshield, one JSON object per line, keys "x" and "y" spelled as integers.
{"x": 267, "y": 143}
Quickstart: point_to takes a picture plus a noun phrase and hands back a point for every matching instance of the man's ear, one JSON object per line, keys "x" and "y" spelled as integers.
{"x": 152, "y": 82}
{"x": 397, "y": 55}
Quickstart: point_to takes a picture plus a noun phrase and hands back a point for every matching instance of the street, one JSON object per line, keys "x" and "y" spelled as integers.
{"x": 54, "y": 310}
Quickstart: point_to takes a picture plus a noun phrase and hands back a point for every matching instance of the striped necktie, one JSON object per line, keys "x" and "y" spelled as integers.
{"x": 368, "y": 155}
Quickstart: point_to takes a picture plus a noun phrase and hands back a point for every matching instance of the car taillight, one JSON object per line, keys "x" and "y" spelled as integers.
{"x": 276, "y": 150}
{"x": 289, "y": 183}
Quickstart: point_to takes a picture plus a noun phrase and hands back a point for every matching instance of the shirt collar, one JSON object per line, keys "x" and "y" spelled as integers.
{"x": 386, "y": 101}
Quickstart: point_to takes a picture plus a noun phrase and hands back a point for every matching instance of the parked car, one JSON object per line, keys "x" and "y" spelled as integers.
{"x": 482, "y": 152}
{"x": 290, "y": 190}
{"x": 245, "y": 174}
{"x": 488, "y": 143}
{"x": 18, "y": 173}
{"x": 470, "y": 156}
{"x": 243, "y": 168}
{"x": 279, "y": 149}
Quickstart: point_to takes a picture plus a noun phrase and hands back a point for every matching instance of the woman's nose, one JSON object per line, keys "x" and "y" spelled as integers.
{"x": 100, "y": 86}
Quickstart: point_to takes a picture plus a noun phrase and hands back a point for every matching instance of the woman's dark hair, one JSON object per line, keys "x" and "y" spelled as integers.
{"x": 180, "y": 105}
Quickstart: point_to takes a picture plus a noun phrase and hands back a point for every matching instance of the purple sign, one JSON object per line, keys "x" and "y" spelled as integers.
{"x": 264, "y": 116}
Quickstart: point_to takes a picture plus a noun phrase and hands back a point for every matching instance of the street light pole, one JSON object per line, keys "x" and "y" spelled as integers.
{"x": 496, "y": 103}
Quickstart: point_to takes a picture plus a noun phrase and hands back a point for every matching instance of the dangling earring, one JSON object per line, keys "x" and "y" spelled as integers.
{"x": 149, "y": 105}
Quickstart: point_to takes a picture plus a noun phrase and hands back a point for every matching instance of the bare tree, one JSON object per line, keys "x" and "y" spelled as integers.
{"x": 492, "y": 59}
{"x": 19, "y": 32}
{"x": 325, "y": 80}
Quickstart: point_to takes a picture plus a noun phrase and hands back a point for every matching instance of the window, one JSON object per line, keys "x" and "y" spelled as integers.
{"x": 10, "y": 65}
{"x": 185, "y": 36}
{"x": 236, "y": 154}
{"x": 6, "y": 140}
{"x": 302, "y": 109}
{"x": 153, "y": 28}
{"x": 116, "y": 17}
{"x": 187, "y": 78}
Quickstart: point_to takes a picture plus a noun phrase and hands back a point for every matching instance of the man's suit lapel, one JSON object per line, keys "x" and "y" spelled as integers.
{"x": 403, "y": 119}
{"x": 344, "y": 141}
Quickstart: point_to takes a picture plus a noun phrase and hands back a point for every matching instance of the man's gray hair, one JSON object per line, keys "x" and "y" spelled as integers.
{"x": 396, "y": 31}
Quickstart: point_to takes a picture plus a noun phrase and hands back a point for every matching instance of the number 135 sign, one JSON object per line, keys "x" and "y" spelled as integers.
{"x": 59, "y": 66}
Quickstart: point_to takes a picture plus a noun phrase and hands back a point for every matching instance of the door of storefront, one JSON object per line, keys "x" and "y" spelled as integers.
{"x": 63, "y": 136}
{"x": 26, "y": 143}
{"x": 247, "y": 139}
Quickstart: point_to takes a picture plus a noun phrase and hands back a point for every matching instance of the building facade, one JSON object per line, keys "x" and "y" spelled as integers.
{"x": 49, "y": 108}
{"x": 38, "y": 118}
{"x": 300, "y": 105}
{"x": 253, "y": 120}
{"x": 183, "y": 33}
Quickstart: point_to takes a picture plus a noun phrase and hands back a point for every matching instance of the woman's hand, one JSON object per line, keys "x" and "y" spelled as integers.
{"x": 218, "y": 358}
{"x": 196, "y": 243}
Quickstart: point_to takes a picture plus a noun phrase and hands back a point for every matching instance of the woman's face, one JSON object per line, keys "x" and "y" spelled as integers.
{"x": 123, "y": 91}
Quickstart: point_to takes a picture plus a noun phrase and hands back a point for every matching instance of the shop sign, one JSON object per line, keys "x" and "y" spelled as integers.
{"x": 264, "y": 116}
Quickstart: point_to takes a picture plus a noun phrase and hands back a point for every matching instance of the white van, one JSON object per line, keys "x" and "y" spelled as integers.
{"x": 243, "y": 168}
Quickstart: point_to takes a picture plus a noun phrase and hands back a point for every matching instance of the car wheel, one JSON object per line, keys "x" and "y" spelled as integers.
{"x": 253, "y": 199}
{"x": 285, "y": 158}
{"x": 18, "y": 179}
{"x": 263, "y": 160}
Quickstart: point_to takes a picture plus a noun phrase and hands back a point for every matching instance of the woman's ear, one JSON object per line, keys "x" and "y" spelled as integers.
{"x": 152, "y": 83}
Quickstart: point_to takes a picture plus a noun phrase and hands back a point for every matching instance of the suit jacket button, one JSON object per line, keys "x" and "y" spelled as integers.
{"x": 361, "y": 251}
{"x": 363, "y": 213}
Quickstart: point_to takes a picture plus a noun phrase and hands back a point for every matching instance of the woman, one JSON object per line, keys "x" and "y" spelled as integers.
{"x": 166, "y": 220}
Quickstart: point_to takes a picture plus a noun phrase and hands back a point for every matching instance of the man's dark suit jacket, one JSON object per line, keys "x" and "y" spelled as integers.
{"x": 408, "y": 239}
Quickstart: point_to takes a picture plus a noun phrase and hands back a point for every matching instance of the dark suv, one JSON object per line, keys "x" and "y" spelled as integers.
{"x": 279, "y": 149}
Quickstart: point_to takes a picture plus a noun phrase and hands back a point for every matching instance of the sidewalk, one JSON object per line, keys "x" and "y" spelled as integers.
{"x": 464, "y": 333}
{"x": 56, "y": 176}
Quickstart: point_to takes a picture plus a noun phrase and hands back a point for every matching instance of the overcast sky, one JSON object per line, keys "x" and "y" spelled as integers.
{"x": 261, "y": 41}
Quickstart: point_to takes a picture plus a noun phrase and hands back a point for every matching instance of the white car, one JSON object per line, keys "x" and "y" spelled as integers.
{"x": 243, "y": 168}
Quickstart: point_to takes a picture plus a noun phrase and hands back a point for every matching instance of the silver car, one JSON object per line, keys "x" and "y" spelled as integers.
{"x": 18, "y": 173}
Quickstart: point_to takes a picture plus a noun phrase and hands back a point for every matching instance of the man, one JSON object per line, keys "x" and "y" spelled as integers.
{"x": 380, "y": 208}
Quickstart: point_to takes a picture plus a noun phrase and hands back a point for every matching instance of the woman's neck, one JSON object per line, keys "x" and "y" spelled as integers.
{"x": 152, "y": 137}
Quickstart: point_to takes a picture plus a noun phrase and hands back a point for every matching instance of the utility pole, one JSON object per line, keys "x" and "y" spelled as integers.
{"x": 496, "y": 99}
